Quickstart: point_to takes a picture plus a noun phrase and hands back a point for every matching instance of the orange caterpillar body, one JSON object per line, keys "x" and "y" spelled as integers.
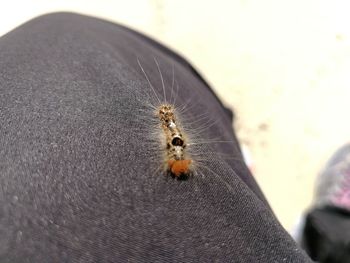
{"x": 180, "y": 167}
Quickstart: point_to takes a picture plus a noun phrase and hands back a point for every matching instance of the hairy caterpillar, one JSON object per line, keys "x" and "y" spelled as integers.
{"x": 176, "y": 158}
{"x": 176, "y": 132}
{"x": 178, "y": 164}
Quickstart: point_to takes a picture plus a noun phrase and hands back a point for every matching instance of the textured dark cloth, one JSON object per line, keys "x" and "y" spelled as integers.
{"x": 326, "y": 235}
{"x": 77, "y": 182}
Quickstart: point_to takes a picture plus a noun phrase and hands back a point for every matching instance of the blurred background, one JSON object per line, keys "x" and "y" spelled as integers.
{"x": 283, "y": 66}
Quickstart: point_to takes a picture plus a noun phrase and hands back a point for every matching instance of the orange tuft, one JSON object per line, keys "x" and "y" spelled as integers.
{"x": 178, "y": 167}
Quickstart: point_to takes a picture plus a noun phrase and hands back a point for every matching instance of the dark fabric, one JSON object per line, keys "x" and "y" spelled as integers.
{"x": 326, "y": 235}
{"x": 78, "y": 158}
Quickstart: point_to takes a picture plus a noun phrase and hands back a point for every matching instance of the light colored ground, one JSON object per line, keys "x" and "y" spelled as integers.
{"x": 284, "y": 66}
